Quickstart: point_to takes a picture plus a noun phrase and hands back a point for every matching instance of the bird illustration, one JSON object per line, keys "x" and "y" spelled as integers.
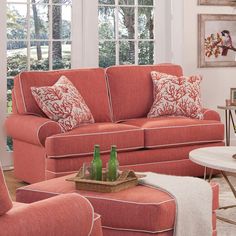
{"x": 227, "y": 42}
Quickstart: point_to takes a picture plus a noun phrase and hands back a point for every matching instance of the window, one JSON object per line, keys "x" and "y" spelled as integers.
{"x": 126, "y": 32}
{"x": 38, "y": 38}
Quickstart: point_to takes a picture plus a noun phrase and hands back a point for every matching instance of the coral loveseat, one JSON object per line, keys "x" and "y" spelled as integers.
{"x": 119, "y": 98}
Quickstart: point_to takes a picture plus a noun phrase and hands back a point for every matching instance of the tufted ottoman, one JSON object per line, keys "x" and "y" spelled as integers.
{"x": 138, "y": 211}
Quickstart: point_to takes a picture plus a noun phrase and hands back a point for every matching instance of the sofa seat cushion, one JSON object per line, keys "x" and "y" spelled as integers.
{"x": 81, "y": 140}
{"x": 135, "y": 209}
{"x": 176, "y": 131}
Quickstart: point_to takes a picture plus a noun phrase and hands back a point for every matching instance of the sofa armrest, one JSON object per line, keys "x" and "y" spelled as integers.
{"x": 209, "y": 114}
{"x": 31, "y": 129}
{"x": 64, "y": 215}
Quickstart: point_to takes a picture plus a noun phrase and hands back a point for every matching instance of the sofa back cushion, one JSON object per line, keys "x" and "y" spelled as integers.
{"x": 5, "y": 201}
{"x": 131, "y": 88}
{"x": 91, "y": 84}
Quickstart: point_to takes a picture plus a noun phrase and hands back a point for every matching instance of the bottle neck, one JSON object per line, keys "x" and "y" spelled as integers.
{"x": 96, "y": 153}
{"x": 113, "y": 154}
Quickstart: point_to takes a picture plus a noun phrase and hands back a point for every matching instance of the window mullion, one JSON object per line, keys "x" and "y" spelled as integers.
{"x": 50, "y": 42}
{"x": 117, "y": 32}
{"x": 28, "y": 35}
{"x": 136, "y": 31}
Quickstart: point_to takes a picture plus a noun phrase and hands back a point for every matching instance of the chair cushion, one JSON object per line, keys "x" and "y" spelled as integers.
{"x": 81, "y": 140}
{"x": 83, "y": 79}
{"x": 176, "y": 131}
{"x": 178, "y": 96}
{"x": 63, "y": 103}
{"x": 131, "y": 88}
{"x": 135, "y": 209}
{"x": 5, "y": 200}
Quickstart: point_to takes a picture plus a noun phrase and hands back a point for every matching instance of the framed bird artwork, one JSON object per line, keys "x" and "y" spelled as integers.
{"x": 216, "y": 40}
{"x": 217, "y": 2}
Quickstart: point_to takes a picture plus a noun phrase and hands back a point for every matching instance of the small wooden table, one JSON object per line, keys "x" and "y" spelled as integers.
{"x": 218, "y": 158}
{"x": 228, "y": 118}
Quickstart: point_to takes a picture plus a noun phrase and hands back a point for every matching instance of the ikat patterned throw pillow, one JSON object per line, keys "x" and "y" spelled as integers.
{"x": 177, "y": 96}
{"x": 63, "y": 103}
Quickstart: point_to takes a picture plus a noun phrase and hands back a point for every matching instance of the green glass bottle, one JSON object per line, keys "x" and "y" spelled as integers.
{"x": 96, "y": 165}
{"x": 113, "y": 165}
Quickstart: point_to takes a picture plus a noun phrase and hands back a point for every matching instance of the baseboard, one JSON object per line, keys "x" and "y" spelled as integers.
{"x": 233, "y": 141}
{"x": 6, "y": 168}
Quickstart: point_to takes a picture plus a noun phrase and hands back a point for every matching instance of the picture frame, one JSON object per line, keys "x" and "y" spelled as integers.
{"x": 233, "y": 96}
{"x": 217, "y": 2}
{"x": 216, "y": 40}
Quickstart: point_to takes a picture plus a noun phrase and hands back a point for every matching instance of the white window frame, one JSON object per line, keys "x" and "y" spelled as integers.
{"x": 84, "y": 49}
{"x": 6, "y": 156}
{"x": 136, "y": 39}
{"x": 168, "y": 16}
{"x": 50, "y": 39}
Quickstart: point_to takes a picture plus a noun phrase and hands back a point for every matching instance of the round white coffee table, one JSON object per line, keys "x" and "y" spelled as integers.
{"x": 217, "y": 158}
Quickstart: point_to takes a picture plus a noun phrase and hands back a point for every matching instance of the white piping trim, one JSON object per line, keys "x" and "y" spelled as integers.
{"x": 210, "y": 110}
{"x": 96, "y": 218}
{"x": 92, "y": 223}
{"x": 16, "y": 102}
{"x": 46, "y": 122}
{"x": 138, "y": 230}
{"x": 149, "y": 66}
{"x": 92, "y": 134}
{"x": 141, "y": 164}
{"x": 130, "y": 202}
{"x": 62, "y": 172}
{"x": 89, "y": 153}
{"x": 213, "y": 186}
{"x": 160, "y": 162}
{"x": 207, "y": 110}
{"x": 176, "y": 144}
{"x": 183, "y": 126}
{"x": 109, "y": 96}
{"x": 26, "y": 188}
{"x": 4, "y": 182}
{"x": 21, "y": 90}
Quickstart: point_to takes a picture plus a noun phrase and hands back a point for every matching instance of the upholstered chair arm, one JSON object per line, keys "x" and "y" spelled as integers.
{"x": 209, "y": 114}
{"x": 31, "y": 129}
{"x": 64, "y": 215}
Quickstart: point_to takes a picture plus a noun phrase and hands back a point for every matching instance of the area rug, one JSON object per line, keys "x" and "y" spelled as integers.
{"x": 226, "y": 198}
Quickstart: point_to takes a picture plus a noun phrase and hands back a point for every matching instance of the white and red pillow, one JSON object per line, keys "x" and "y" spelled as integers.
{"x": 178, "y": 96}
{"x": 63, "y": 103}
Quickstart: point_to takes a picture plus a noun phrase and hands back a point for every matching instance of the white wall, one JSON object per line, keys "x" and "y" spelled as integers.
{"x": 217, "y": 81}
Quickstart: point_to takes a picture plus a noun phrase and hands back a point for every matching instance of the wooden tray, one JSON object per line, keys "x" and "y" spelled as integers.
{"x": 126, "y": 179}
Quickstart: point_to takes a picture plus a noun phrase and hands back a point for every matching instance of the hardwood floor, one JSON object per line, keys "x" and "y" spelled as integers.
{"x": 12, "y": 183}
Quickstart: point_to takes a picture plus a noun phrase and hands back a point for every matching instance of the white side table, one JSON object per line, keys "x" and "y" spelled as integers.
{"x": 218, "y": 158}
{"x": 228, "y": 118}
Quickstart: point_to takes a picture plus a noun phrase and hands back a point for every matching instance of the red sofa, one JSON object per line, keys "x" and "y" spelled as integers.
{"x": 119, "y": 98}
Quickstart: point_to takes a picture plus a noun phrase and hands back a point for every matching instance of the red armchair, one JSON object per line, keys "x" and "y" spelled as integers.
{"x": 64, "y": 215}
